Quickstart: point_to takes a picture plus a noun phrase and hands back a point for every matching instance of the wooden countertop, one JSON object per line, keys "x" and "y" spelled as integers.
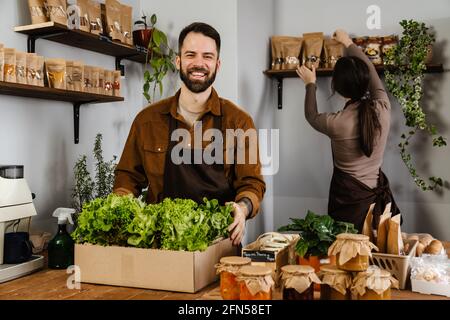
{"x": 48, "y": 284}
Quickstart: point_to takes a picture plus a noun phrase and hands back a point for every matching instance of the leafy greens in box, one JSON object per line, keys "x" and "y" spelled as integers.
{"x": 179, "y": 224}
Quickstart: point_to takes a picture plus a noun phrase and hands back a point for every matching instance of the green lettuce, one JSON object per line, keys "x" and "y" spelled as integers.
{"x": 174, "y": 224}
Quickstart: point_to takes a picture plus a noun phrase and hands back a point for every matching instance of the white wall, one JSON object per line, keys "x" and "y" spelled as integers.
{"x": 39, "y": 133}
{"x": 174, "y": 15}
{"x": 306, "y": 164}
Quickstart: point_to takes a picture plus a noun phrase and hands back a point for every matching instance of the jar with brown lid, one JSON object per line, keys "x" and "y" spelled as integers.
{"x": 373, "y": 284}
{"x": 389, "y": 42}
{"x": 228, "y": 268}
{"x": 360, "y": 42}
{"x": 298, "y": 282}
{"x": 373, "y": 50}
{"x": 352, "y": 251}
{"x": 336, "y": 283}
{"x": 255, "y": 283}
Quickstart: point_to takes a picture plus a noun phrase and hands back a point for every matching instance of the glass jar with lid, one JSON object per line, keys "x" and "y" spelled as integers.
{"x": 228, "y": 268}
{"x": 373, "y": 284}
{"x": 373, "y": 50}
{"x": 352, "y": 251}
{"x": 389, "y": 42}
{"x": 298, "y": 282}
{"x": 255, "y": 283}
{"x": 336, "y": 283}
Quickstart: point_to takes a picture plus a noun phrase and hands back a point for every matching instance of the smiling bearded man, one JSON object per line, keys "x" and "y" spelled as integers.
{"x": 147, "y": 159}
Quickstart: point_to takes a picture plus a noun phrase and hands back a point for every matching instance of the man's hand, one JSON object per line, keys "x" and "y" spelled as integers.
{"x": 342, "y": 37}
{"x": 307, "y": 75}
{"x": 237, "y": 228}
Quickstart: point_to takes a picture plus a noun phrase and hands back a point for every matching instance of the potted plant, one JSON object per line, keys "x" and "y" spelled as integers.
{"x": 405, "y": 65}
{"x": 159, "y": 57}
{"x": 87, "y": 188}
{"x": 317, "y": 233}
{"x": 141, "y": 36}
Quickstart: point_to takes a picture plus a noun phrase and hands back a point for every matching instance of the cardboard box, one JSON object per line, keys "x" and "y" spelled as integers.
{"x": 272, "y": 259}
{"x": 151, "y": 268}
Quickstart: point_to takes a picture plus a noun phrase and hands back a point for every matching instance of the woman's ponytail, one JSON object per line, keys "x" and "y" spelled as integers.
{"x": 369, "y": 125}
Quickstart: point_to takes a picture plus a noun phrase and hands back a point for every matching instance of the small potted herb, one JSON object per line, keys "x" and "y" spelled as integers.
{"x": 143, "y": 33}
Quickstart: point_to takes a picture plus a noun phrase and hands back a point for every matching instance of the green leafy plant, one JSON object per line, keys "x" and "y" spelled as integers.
{"x": 317, "y": 233}
{"x": 405, "y": 65}
{"x": 178, "y": 224}
{"x": 160, "y": 59}
{"x": 85, "y": 188}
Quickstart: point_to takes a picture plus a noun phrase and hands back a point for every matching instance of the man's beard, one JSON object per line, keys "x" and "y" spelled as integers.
{"x": 197, "y": 86}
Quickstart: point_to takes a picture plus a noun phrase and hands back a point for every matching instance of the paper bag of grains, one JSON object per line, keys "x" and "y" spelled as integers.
{"x": 367, "y": 227}
{"x": 277, "y": 57}
{"x": 57, "y": 11}
{"x": 56, "y": 73}
{"x": 382, "y": 230}
{"x": 312, "y": 49}
{"x": 2, "y": 61}
{"x": 113, "y": 20}
{"x": 95, "y": 17}
{"x": 21, "y": 67}
{"x": 77, "y": 75}
{"x": 69, "y": 70}
{"x": 333, "y": 51}
{"x": 9, "y": 68}
{"x": 394, "y": 238}
{"x": 84, "y": 15}
{"x": 101, "y": 81}
{"x": 37, "y": 11}
{"x": 116, "y": 83}
{"x": 30, "y": 71}
{"x": 40, "y": 71}
{"x": 290, "y": 49}
{"x": 87, "y": 78}
{"x": 95, "y": 79}
{"x": 109, "y": 82}
{"x": 127, "y": 24}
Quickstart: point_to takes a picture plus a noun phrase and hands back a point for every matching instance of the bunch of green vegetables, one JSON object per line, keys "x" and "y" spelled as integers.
{"x": 179, "y": 224}
{"x": 317, "y": 233}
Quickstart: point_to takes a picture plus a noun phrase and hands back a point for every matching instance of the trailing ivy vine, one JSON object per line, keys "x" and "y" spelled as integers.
{"x": 405, "y": 65}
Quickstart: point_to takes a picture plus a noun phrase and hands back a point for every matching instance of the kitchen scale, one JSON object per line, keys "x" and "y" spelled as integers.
{"x": 16, "y": 203}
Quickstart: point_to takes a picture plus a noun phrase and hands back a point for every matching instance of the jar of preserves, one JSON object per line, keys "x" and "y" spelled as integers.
{"x": 352, "y": 251}
{"x": 373, "y": 284}
{"x": 389, "y": 42}
{"x": 373, "y": 50}
{"x": 336, "y": 283}
{"x": 255, "y": 283}
{"x": 228, "y": 268}
{"x": 298, "y": 282}
{"x": 360, "y": 42}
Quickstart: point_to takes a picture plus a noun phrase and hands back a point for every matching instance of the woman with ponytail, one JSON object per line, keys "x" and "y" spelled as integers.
{"x": 358, "y": 135}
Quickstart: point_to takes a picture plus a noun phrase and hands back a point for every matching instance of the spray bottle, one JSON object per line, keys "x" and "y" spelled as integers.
{"x": 61, "y": 247}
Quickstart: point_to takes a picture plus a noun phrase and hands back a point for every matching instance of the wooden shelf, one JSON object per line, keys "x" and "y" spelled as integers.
{"x": 328, "y": 72}
{"x": 279, "y": 75}
{"x": 74, "y": 97}
{"x": 80, "y": 39}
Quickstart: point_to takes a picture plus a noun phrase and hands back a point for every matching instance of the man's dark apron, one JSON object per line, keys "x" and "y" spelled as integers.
{"x": 195, "y": 181}
{"x": 350, "y": 199}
